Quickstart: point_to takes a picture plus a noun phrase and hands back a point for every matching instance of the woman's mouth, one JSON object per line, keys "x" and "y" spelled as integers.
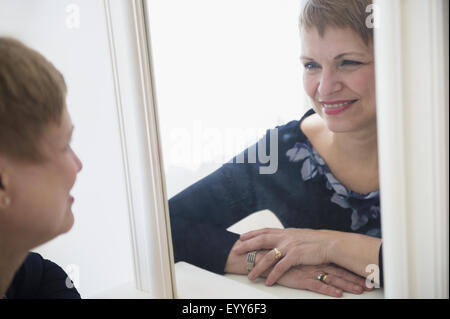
{"x": 336, "y": 107}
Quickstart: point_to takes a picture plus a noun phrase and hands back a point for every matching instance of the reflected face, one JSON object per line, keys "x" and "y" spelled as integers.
{"x": 339, "y": 77}
{"x": 41, "y": 204}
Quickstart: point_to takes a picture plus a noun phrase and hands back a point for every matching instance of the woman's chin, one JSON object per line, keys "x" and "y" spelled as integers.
{"x": 67, "y": 222}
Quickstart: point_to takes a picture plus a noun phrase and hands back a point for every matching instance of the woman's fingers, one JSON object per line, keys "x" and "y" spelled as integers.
{"x": 348, "y": 276}
{"x": 322, "y": 288}
{"x": 280, "y": 269}
{"x": 262, "y": 241}
{"x": 258, "y": 232}
{"x": 262, "y": 265}
{"x": 336, "y": 277}
{"x": 343, "y": 284}
{"x": 335, "y": 282}
{"x": 300, "y": 279}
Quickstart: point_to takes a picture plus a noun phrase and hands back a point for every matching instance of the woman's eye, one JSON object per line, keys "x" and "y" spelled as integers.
{"x": 349, "y": 62}
{"x": 310, "y": 65}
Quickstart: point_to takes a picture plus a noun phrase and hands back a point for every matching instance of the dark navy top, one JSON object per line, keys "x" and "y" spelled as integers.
{"x": 39, "y": 278}
{"x": 302, "y": 192}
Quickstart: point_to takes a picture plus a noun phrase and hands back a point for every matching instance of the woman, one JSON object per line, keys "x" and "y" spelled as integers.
{"x": 325, "y": 191}
{"x": 37, "y": 171}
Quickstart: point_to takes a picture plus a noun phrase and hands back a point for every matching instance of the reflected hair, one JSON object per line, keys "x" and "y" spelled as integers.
{"x": 32, "y": 95}
{"x": 352, "y": 14}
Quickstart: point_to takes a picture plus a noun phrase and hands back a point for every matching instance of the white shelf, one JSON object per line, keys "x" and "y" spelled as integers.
{"x": 196, "y": 283}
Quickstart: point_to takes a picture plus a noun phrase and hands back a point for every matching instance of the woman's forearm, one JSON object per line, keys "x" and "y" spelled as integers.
{"x": 353, "y": 251}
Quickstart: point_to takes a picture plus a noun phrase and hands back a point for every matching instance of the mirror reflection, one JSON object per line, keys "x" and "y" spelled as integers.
{"x": 271, "y": 161}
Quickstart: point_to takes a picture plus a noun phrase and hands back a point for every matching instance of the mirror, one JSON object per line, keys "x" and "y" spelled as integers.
{"x": 226, "y": 74}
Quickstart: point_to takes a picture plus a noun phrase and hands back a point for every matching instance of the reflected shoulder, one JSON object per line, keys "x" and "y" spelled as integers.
{"x": 313, "y": 127}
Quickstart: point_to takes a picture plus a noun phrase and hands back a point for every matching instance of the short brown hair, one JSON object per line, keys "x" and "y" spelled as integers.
{"x": 337, "y": 13}
{"x": 32, "y": 94}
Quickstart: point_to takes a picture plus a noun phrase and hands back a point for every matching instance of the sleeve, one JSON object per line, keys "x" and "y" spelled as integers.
{"x": 200, "y": 214}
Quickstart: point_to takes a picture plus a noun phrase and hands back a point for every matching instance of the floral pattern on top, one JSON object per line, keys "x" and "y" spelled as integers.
{"x": 363, "y": 206}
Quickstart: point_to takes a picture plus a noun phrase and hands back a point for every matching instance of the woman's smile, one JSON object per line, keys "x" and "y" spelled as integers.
{"x": 336, "y": 107}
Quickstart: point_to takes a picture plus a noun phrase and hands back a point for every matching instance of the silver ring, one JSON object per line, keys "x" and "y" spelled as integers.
{"x": 251, "y": 258}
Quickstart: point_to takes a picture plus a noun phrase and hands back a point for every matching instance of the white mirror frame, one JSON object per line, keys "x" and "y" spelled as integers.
{"x": 411, "y": 43}
{"x": 142, "y": 156}
{"x": 411, "y": 49}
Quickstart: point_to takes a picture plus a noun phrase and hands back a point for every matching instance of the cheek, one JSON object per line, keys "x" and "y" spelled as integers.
{"x": 309, "y": 84}
{"x": 69, "y": 168}
{"x": 364, "y": 84}
{"x": 38, "y": 207}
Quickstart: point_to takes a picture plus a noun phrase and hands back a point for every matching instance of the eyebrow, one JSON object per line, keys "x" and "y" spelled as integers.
{"x": 337, "y": 56}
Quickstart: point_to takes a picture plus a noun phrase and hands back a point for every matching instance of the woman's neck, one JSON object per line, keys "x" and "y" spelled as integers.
{"x": 10, "y": 262}
{"x": 360, "y": 148}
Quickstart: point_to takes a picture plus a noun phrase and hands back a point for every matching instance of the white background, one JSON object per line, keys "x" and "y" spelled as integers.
{"x": 221, "y": 68}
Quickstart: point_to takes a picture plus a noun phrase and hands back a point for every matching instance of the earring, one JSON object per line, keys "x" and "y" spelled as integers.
{"x": 6, "y": 201}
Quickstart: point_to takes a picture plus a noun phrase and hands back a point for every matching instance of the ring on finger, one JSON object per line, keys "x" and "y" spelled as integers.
{"x": 278, "y": 254}
{"x": 250, "y": 262}
{"x": 322, "y": 276}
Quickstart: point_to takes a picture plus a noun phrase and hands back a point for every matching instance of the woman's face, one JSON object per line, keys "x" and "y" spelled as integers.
{"x": 339, "y": 77}
{"x": 41, "y": 204}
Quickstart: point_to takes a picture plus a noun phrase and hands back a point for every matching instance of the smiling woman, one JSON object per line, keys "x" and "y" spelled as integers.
{"x": 38, "y": 169}
{"x": 325, "y": 191}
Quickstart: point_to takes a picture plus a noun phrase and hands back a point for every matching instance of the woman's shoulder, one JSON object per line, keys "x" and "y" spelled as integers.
{"x": 292, "y": 132}
{"x": 313, "y": 127}
{"x": 41, "y": 278}
{"x": 27, "y": 278}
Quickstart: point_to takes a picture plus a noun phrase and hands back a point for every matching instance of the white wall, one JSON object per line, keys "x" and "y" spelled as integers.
{"x": 98, "y": 247}
{"x": 225, "y": 71}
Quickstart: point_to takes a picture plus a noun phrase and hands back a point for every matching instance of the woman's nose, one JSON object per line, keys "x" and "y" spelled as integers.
{"x": 329, "y": 83}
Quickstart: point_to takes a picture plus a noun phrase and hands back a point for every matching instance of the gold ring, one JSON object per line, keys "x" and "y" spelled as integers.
{"x": 322, "y": 276}
{"x": 278, "y": 254}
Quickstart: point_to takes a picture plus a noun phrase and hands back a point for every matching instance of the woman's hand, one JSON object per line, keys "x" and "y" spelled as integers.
{"x": 303, "y": 277}
{"x": 337, "y": 280}
{"x": 297, "y": 247}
